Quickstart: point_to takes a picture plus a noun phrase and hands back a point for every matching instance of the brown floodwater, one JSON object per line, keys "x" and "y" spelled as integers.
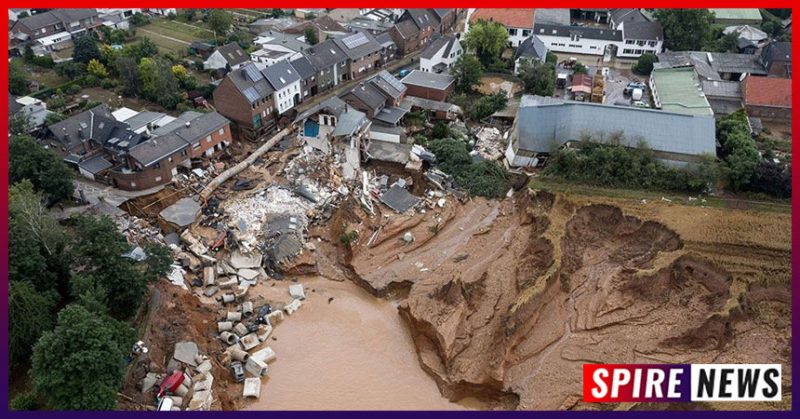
{"x": 354, "y": 353}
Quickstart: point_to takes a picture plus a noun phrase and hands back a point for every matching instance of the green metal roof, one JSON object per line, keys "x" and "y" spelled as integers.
{"x": 679, "y": 91}
{"x": 737, "y": 14}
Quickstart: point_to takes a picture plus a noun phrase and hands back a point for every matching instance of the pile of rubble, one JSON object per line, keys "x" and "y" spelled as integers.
{"x": 488, "y": 143}
{"x": 189, "y": 386}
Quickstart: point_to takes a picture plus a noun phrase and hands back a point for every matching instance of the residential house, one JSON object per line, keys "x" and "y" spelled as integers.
{"x": 630, "y": 41}
{"x": 777, "y": 59}
{"x": 52, "y": 30}
{"x": 227, "y": 57}
{"x": 518, "y": 22}
{"x": 388, "y": 48}
{"x": 414, "y": 29}
{"x": 308, "y": 76}
{"x": 272, "y": 53}
{"x": 323, "y": 26}
{"x": 375, "y": 27}
{"x": 142, "y": 122}
{"x": 116, "y": 18}
{"x": 308, "y": 13}
{"x": 246, "y": 97}
{"x": 749, "y": 39}
{"x": 330, "y": 62}
{"x": 33, "y": 110}
{"x": 440, "y": 55}
{"x": 725, "y": 97}
{"x": 362, "y": 51}
{"x": 737, "y": 16}
{"x": 677, "y": 90}
{"x": 447, "y": 19}
{"x": 429, "y": 85}
{"x": 715, "y": 65}
{"x": 379, "y": 97}
{"x": 542, "y": 122}
{"x": 532, "y": 50}
{"x": 206, "y": 133}
{"x": 285, "y": 82}
{"x": 165, "y": 11}
{"x": 14, "y": 14}
{"x": 768, "y": 97}
{"x": 291, "y": 41}
{"x": 618, "y": 16}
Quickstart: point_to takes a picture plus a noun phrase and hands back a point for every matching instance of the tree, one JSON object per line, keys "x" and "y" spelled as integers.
{"x": 579, "y": 68}
{"x": 18, "y": 83}
{"x": 29, "y": 313}
{"x": 85, "y": 49}
{"x": 539, "y": 79}
{"x": 773, "y": 179}
{"x": 158, "y": 83}
{"x": 19, "y": 124}
{"x": 179, "y": 72}
{"x": 80, "y": 364}
{"x": 487, "y": 39}
{"x": 99, "y": 256}
{"x": 466, "y": 73}
{"x": 70, "y": 69}
{"x": 685, "y": 29}
{"x": 143, "y": 49}
{"x": 440, "y": 130}
{"x": 644, "y": 65}
{"x": 311, "y": 36}
{"x": 28, "y": 54}
{"x": 488, "y": 105}
{"x": 772, "y": 28}
{"x": 48, "y": 174}
{"x": 97, "y": 69}
{"x": 720, "y": 42}
{"x": 551, "y": 58}
{"x": 128, "y": 72}
{"x": 139, "y": 19}
{"x": 219, "y": 21}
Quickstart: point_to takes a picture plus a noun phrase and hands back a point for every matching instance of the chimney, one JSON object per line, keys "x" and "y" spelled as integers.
{"x": 80, "y": 133}
{"x": 188, "y": 123}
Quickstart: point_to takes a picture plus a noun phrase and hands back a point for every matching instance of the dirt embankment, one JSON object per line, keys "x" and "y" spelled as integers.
{"x": 507, "y": 300}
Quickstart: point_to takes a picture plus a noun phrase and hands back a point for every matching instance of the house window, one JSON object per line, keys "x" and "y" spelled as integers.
{"x": 629, "y": 41}
{"x": 208, "y": 139}
{"x": 512, "y": 32}
{"x": 257, "y": 121}
{"x": 158, "y": 179}
{"x": 169, "y": 159}
{"x": 157, "y": 165}
{"x": 133, "y": 184}
{"x": 526, "y": 32}
{"x": 575, "y": 37}
{"x": 184, "y": 152}
{"x": 651, "y": 43}
{"x": 627, "y": 51}
{"x": 222, "y": 131}
{"x": 196, "y": 146}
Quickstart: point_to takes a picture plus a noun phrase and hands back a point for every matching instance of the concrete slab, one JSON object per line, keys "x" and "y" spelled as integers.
{"x": 292, "y": 307}
{"x": 240, "y": 260}
{"x": 249, "y": 342}
{"x": 256, "y": 368}
{"x": 265, "y": 355}
{"x": 252, "y": 387}
{"x": 186, "y": 352}
{"x": 248, "y": 274}
{"x": 297, "y": 292}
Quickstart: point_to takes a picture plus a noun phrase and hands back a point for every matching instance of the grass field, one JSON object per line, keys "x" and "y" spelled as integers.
{"x": 557, "y": 185}
{"x": 173, "y": 36}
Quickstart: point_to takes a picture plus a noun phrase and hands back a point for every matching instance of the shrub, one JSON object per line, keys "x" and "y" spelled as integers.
{"x": 348, "y": 237}
{"x": 488, "y": 105}
{"x": 24, "y": 401}
{"x": 73, "y": 89}
{"x": 486, "y": 178}
{"x": 644, "y": 65}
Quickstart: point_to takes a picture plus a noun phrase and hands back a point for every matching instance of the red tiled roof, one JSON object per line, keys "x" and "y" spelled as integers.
{"x": 510, "y": 18}
{"x": 767, "y": 91}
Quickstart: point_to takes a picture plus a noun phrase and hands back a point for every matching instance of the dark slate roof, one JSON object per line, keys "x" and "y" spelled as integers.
{"x": 406, "y": 28}
{"x": 152, "y": 151}
{"x": 722, "y": 88}
{"x": 325, "y": 55}
{"x": 327, "y": 24}
{"x": 552, "y": 16}
{"x": 252, "y": 90}
{"x": 650, "y": 31}
{"x": 54, "y": 16}
{"x": 369, "y": 95}
{"x": 388, "y": 84}
{"x": 532, "y": 47}
{"x": 429, "y": 80}
{"x": 391, "y": 115}
{"x": 627, "y": 15}
{"x": 385, "y": 40}
{"x": 95, "y": 124}
{"x": 200, "y": 125}
{"x": 444, "y": 41}
{"x": 95, "y": 164}
{"x": 423, "y": 18}
{"x": 350, "y": 122}
{"x": 281, "y": 74}
{"x": 304, "y": 68}
{"x": 778, "y": 51}
{"x": 358, "y": 44}
{"x": 399, "y": 199}
{"x": 233, "y": 53}
{"x": 585, "y": 32}
{"x": 13, "y": 106}
{"x": 709, "y": 65}
{"x": 441, "y": 13}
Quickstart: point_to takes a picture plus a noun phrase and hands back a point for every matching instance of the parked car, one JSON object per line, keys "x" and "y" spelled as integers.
{"x": 238, "y": 371}
{"x": 635, "y": 85}
{"x": 404, "y": 72}
{"x": 640, "y": 104}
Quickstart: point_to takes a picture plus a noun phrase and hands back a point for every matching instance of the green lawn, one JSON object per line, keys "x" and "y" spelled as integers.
{"x": 558, "y": 185}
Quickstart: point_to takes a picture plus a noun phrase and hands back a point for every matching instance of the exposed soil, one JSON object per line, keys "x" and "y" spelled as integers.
{"x": 507, "y": 300}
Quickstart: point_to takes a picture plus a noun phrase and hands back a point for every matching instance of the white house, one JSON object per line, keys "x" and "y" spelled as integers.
{"x": 164, "y": 11}
{"x": 270, "y": 54}
{"x": 286, "y": 82}
{"x": 227, "y": 55}
{"x": 441, "y": 54}
{"x": 518, "y": 22}
{"x": 13, "y": 14}
{"x": 629, "y": 40}
{"x": 532, "y": 50}
{"x": 34, "y": 110}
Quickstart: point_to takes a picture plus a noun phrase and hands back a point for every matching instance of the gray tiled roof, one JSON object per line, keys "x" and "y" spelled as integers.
{"x": 552, "y": 16}
{"x": 627, "y": 15}
{"x": 152, "y": 151}
{"x": 350, "y": 122}
{"x": 543, "y": 122}
{"x": 388, "y": 84}
{"x": 96, "y": 124}
{"x": 54, "y": 16}
{"x": 233, "y": 54}
{"x": 584, "y": 31}
{"x": 406, "y": 28}
{"x": 325, "y": 55}
{"x": 709, "y": 65}
{"x": 532, "y": 47}
{"x": 95, "y": 164}
{"x": 281, "y": 74}
{"x": 369, "y": 95}
{"x": 650, "y": 31}
{"x": 429, "y": 80}
{"x": 244, "y": 82}
{"x": 722, "y": 88}
{"x": 391, "y": 115}
{"x": 357, "y": 50}
{"x": 385, "y": 40}
{"x": 304, "y": 67}
{"x": 445, "y": 41}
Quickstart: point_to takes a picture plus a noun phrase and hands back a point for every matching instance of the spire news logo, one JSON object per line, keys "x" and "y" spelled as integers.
{"x": 681, "y": 382}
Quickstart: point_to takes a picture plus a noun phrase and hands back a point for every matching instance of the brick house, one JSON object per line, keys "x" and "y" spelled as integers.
{"x": 429, "y": 85}
{"x": 330, "y": 62}
{"x": 777, "y": 59}
{"x": 245, "y": 97}
{"x": 413, "y": 30}
{"x": 768, "y": 97}
{"x": 362, "y": 51}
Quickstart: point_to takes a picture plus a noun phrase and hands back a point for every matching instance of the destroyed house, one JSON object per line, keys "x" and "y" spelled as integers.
{"x": 90, "y": 132}
{"x": 206, "y": 133}
{"x": 246, "y": 97}
{"x": 543, "y": 123}
{"x": 362, "y": 51}
{"x": 283, "y": 238}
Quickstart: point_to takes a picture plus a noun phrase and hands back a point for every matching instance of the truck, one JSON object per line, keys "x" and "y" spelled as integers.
{"x": 636, "y": 94}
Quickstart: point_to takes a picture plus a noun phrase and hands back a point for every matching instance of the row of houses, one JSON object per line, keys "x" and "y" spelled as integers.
{"x": 259, "y": 91}
{"x": 136, "y": 151}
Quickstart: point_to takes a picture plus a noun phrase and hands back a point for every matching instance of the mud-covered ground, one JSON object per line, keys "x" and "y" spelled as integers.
{"x": 506, "y": 300}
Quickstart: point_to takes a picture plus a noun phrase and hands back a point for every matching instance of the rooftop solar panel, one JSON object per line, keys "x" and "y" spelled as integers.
{"x": 251, "y": 94}
{"x": 354, "y": 41}
{"x": 392, "y": 81}
{"x": 253, "y": 73}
